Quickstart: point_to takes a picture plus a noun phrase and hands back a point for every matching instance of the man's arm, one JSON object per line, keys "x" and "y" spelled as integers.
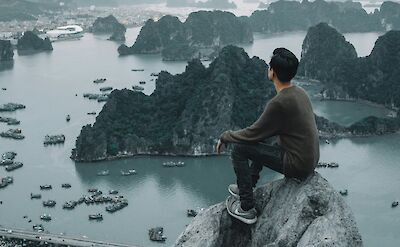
{"x": 267, "y": 125}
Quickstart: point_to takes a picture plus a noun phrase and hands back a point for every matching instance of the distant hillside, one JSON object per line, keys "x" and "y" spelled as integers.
{"x": 285, "y": 15}
{"x": 18, "y": 10}
{"x": 85, "y": 3}
{"x": 201, "y": 35}
{"x": 209, "y": 4}
{"x": 22, "y": 10}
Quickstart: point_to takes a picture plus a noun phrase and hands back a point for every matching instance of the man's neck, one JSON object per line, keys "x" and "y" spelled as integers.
{"x": 280, "y": 86}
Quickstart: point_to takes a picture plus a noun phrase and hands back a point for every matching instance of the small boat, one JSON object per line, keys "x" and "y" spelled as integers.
{"x": 68, "y": 118}
{"x": 8, "y": 179}
{"x": 327, "y": 142}
{"x": 333, "y": 165}
{"x": 91, "y": 113}
{"x": 45, "y": 217}
{"x": 70, "y": 205}
{"x": 137, "y": 88}
{"x": 118, "y": 205}
{"x": 174, "y": 164}
{"x": 344, "y": 192}
{"x": 154, "y": 74}
{"x": 46, "y": 187}
{"x": 53, "y": 139}
{"x": 9, "y": 155}
{"x": 157, "y": 234}
{"x": 14, "y": 166}
{"x": 104, "y": 89}
{"x": 180, "y": 164}
{"x": 191, "y": 213}
{"x": 36, "y": 196}
{"x": 128, "y": 173}
{"x": 113, "y": 192}
{"x": 103, "y": 173}
{"x": 38, "y": 227}
{"x": 4, "y": 182}
{"x": 102, "y": 98}
{"x": 395, "y": 204}
{"x": 101, "y": 80}
{"x": 95, "y": 216}
{"x": 137, "y": 70}
{"x": 142, "y": 82}
{"x": 66, "y": 186}
{"x": 3, "y": 88}
{"x": 49, "y": 203}
{"x": 6, "y": 162}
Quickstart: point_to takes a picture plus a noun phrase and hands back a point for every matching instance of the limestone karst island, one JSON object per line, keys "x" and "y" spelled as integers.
{"x": 199, "y": 123}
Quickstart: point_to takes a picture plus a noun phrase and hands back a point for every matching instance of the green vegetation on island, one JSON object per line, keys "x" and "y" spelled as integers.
{"x": 111, "y": 25}
{"x": 31, "y": 42}
{"x": 185, "y": 113}
{"x": 201, "y": 35}
{"x": 6, "y": 51}
{"x": 328, "y": 57}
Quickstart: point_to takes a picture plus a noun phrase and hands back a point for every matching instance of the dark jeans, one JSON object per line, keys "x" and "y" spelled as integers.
{"x": 267, "y": 153}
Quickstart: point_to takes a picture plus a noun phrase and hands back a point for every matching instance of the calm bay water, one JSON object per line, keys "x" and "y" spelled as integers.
{"x": 47, "y": 83}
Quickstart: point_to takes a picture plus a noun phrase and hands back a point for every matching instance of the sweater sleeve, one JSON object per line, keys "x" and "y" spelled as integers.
{"x": 267, "y": 125}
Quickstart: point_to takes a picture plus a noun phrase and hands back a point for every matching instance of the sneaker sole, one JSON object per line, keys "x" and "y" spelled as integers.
{"x": 244, "y": 220}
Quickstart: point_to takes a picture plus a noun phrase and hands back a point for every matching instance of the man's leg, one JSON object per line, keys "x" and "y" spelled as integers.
{"x": 247, "y": 176}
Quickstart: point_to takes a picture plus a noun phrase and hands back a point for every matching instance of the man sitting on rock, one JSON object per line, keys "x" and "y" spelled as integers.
{"x": 288, "y": 117}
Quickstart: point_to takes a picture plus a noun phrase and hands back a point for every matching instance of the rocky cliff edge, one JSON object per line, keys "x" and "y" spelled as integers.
{"x": 291, "y": 213}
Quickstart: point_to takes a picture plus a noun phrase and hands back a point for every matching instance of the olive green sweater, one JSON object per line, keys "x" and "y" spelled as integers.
{"x": 290, "y": 116}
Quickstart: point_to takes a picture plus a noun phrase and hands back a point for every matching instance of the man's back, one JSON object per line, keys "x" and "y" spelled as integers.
{"x": 298, "y": 131}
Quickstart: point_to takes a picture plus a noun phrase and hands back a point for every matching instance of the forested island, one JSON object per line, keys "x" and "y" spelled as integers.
{"x": 109, "y": 25}
{"x": 6, "y": 51}
{"x": 282, "y": 16}
{"x": 202, "y": 35}
{"x": 187, "y": 112}
{"x": 30, "y": 42}
{"x": 328, "y": 57}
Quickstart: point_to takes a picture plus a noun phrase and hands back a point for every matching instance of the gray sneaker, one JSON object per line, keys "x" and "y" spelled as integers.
{"x": 236, "y": 211}
{"x": 234, "y": 190}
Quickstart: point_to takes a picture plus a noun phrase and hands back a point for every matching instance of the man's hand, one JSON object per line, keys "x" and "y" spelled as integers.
{"x": 218, "y": 146}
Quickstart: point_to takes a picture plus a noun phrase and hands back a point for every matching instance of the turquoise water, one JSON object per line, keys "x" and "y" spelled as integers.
{"x": 47, "y": 83}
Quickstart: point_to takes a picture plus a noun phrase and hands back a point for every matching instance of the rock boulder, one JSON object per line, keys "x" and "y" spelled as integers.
{"x": 291, "y": 213}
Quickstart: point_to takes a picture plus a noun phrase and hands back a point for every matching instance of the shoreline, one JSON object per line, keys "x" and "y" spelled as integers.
{"x": 128, "y": 156}
{"x": 322, "y": 137}
{"x": 310, "y": 81}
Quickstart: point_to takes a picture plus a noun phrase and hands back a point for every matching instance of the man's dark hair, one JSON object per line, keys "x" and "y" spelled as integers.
{"x": 284, "y": 63}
